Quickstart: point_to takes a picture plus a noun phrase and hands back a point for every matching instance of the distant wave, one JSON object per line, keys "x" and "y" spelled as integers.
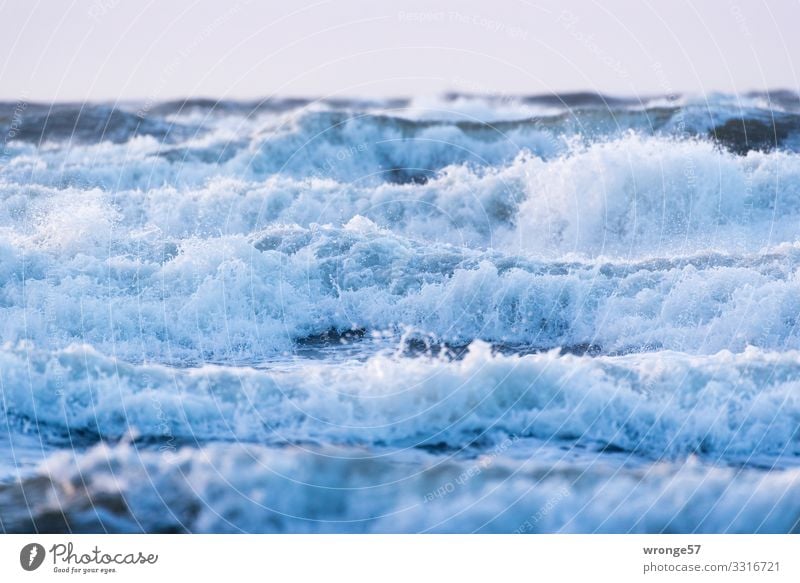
{"x": 755, "y": 121}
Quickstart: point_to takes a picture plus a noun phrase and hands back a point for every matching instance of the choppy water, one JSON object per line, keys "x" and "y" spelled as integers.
{"x": 556, "y": 313}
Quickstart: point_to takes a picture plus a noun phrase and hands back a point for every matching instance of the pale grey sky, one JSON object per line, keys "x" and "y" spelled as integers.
{"x": 122, "y": 49}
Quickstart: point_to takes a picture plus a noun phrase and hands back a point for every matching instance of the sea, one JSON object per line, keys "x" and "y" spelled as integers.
{"x": 465, "y": 313}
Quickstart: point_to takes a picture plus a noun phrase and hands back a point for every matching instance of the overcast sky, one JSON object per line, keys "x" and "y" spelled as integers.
{"x": 122, "y": 49}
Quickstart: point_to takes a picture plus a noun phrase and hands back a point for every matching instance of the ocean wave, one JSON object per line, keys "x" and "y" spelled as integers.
{"x": 294, "y": 315}
{"x": 724, "y": 407}
{"x": 86, "y": 123}
{"x": 237, "y": 488}
{"x": 138, "y": 294}
{"x": 455, "y": 128}
{"x": 630, "y": 195}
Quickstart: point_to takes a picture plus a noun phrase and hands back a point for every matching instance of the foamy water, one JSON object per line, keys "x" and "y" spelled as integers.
{"x": 544, "y": 314}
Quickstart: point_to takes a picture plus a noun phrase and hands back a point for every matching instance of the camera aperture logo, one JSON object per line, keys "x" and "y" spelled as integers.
{"x": 66, "y": 559}
{"x": 31, "y": 556}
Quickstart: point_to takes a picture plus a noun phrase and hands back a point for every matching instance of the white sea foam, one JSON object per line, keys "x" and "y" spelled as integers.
{"x": 141, "y": 295}
{"x": 628, "y": 243}
{"x": 236, "y": 488}
{"x": 668, "y": 404}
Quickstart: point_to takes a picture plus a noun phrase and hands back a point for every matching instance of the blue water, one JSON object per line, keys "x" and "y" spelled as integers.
{"x": 541, "y": 314}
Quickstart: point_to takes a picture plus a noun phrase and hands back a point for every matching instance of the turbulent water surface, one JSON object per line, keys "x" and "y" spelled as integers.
{"x": 567, "y": 313}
